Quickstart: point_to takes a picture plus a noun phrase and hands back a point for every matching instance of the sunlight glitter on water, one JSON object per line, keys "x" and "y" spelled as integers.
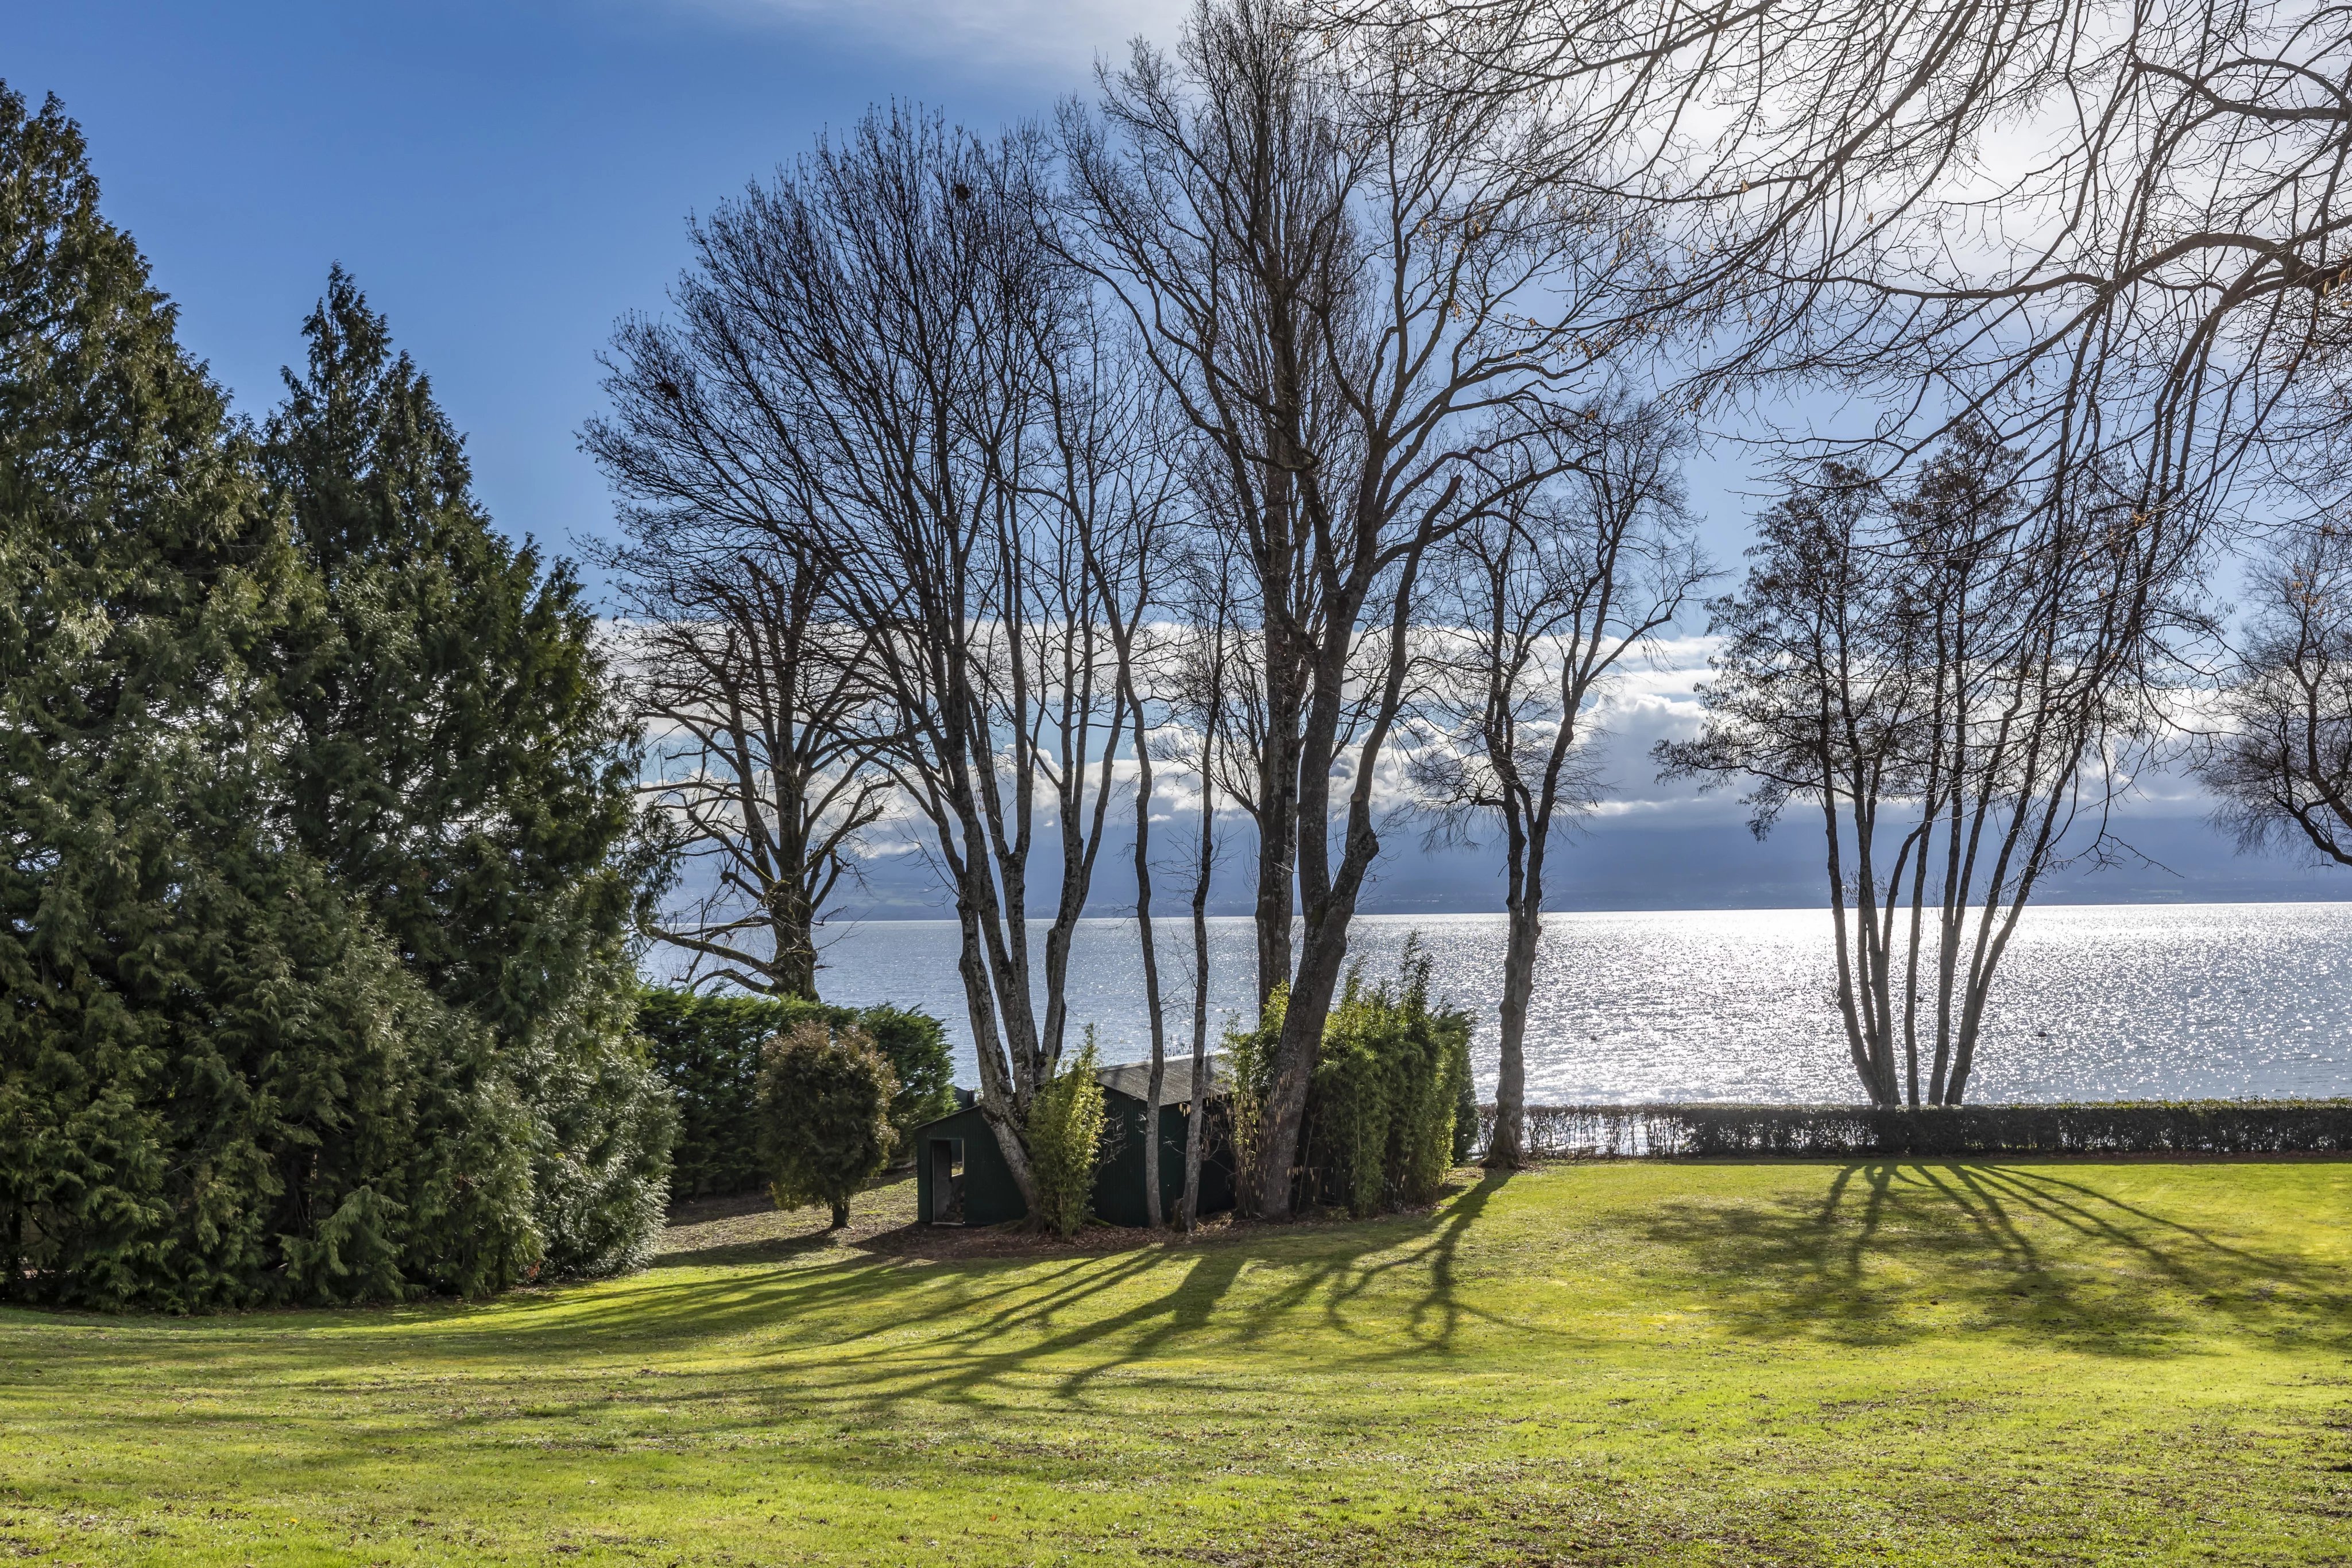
{"x": 2094, "y": 1001}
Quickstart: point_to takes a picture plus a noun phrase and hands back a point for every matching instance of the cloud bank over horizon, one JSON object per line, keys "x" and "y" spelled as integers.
{"x": 1647, "y": 845}
{"x": 975, "y": 33}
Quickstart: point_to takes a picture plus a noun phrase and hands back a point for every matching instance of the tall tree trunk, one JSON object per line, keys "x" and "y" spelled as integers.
{"x": 1312, "y": 989}
{"x": 1278, "y": 824}
{"x": 1196, "y": 1119}
{"x": 1003, "y": 1102}
{"x": 1321, "y": 961}
{"x": 1330, "y": 895}
{"x": 1911, "y": 973}
{"x": 1849, "y": 1008}
{"x": 1957, "y": 844}
{"x": 1151, "y": 1205}
{"x": 1506, "y": 1146}
{"x": 792, "y": 927}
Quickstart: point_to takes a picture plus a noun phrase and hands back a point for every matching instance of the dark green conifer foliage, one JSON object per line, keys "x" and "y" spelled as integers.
{"x": 824, "y": 1113}
{"x": 458, "y": 762}
{"x": 216, "y": 1086}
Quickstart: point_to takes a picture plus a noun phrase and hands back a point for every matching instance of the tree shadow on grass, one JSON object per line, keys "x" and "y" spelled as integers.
{"x": 747, "y": 1254}
{"x": 1897, "y": 1252}
{"x": 912, "y": 1372}
{"x": 1344, "y": 1266}
{"x": 930, "y": 1374}
{"x": 890, "y": 1332}
{"x": 1336, "y": 1265}
{"x": 952, "y": 1331}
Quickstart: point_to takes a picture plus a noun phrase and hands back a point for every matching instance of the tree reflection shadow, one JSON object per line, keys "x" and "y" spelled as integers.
{"x": 1891, "y": 1249}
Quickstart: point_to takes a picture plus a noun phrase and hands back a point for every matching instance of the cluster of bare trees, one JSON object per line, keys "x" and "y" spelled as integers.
{"x": 1958, "y": 679}
{"x": 1306, "y": 408}
{"x": 2083, "y": 265}
{"x": 883, "y": 371}
{"x": 2282, "y": 768}
{"x": 976, "y": 480}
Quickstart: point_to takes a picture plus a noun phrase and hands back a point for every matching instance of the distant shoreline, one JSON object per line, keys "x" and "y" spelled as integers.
{"x": 1171, "y": 911}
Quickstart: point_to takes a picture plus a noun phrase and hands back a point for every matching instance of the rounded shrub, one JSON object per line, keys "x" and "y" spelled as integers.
{"x": 824, "y": 1114}
{"x": 708, "y": 1048}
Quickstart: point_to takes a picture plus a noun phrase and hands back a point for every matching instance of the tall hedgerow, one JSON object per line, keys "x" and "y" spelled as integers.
{"x": 706, "y": 1049}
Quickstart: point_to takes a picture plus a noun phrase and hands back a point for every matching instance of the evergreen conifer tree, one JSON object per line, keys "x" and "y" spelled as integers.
{"x": 218, "y": 1086}
{"x": 459, "y": 763}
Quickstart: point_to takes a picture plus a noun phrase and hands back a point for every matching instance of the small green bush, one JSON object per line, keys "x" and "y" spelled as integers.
{"x": 1249, "y": 1062}
{"x": 708, "y": 1049}
{"x": 1350, "y": 1098}
{"x": 1066, "y": 1128}
{"x": 824, "y": 1114}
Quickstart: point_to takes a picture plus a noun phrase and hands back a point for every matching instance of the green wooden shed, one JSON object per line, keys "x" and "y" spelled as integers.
{"x": 961, "y": 1178}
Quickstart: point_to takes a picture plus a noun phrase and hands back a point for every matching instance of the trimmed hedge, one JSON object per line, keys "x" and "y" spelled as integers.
{"x": 708, "y": 1049}
{"x": 2122, "y": 1127}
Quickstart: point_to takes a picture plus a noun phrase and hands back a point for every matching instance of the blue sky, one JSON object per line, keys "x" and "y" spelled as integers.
{"x": 506, "y": 178}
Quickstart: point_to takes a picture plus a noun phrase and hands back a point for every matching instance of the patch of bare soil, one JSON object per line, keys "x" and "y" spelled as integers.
{"x": 750, "y": 1229}
{"x": 949, "y": 1243}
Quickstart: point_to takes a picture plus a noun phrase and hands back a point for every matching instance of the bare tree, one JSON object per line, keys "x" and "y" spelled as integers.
{"x": 2283, "y": 773}
{"x": 1201, "y": 703}
{"x": 1817, "y": 684}
{"x": 760, "y": 713}
{"x": 1111, "y": 429}
{"x": 1543, "y": 600}
{"x": 878, "y": 363}
{"x": 2054, "y": 629}
{"x": 2112, "y": 233}
{"x": 1960, "y": 679}
{"x": 1335, "y": 268}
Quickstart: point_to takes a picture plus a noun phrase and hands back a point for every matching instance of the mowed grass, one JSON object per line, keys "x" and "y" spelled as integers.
{"x": 1606, "y": 1364}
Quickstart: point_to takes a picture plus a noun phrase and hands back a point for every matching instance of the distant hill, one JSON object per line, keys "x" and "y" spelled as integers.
{"x": 1640, "y": 863}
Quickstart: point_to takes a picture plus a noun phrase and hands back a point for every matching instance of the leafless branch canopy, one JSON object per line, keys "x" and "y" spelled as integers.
{"x": 2283, "y": 772}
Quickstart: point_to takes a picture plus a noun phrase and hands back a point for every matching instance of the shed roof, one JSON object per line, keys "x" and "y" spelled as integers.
{"x": 1133, "y": 1079}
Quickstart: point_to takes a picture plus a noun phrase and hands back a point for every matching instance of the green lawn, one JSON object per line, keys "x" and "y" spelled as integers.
{"x": 1636, "y": 1363}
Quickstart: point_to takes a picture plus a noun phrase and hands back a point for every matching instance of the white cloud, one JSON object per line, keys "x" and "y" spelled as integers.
{"x": 1067, "y": 33}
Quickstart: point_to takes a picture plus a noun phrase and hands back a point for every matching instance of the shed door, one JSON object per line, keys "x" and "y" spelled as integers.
{"x": 947, "y": 1181}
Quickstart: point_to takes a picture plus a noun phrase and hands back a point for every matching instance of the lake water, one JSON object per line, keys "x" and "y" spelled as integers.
{"x": 2094, "y": 1003}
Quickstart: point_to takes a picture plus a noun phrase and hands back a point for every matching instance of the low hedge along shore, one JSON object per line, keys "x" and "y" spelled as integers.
{"x": 2124, "y": 1127}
